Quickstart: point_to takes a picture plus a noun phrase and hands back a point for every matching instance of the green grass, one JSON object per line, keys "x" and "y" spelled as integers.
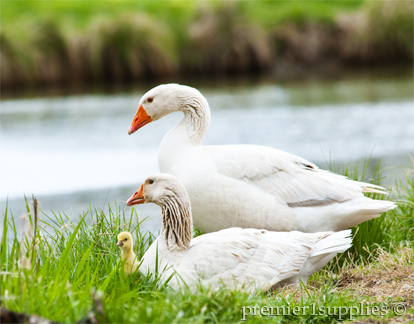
{"x": 73, "y": 260}
{"x": 273, "y": 13}
{"x": 393, "y": 227}
{"x": 19, "y": 18}
{"x": 78, "y": 14}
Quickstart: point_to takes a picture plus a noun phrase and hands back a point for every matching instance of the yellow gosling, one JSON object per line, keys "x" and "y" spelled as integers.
{"x": 125, "y": 242}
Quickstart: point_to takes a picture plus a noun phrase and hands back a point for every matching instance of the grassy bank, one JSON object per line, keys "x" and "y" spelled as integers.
{"x": 60, "y": 42}
{"x": 68, "y": 272}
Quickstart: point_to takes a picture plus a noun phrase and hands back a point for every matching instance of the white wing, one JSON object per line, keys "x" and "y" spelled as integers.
{"x": 291, "y": 179}
{"x": 245, "y": 258}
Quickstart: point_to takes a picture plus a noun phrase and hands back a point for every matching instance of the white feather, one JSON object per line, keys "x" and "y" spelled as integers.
{"x": 249, "y": 259}
{"x": 252, "y": 186}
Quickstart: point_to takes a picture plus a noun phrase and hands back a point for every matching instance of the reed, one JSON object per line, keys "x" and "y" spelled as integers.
{"x": 381, "y": 32}
{"x": 14, "y": 69}
{"x": 65, "y": 42}
{"x": 39, "y": 58}
{"x": 220, "y": 42}
{"x": 305, "y": 43}
{"x": 130, "y": 47}
{"x": 49, "y": 53}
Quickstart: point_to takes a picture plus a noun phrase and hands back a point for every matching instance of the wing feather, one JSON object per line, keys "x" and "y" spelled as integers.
{"x": 289, "y": 178}
{"x": 246, "y": 258}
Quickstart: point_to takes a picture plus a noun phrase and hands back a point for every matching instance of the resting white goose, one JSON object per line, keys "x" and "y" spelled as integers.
{"x": 249, "y": 259}
{"x": 248, "y": 185}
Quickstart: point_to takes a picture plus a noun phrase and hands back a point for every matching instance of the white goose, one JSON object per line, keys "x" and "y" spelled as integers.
{"x": 249, "y": 259}
{"x": 250, "y": 186}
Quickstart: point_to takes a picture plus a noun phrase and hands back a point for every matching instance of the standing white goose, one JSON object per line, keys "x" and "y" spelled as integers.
{"x": 247, "y": 185}
{"x": 249, "y": 259}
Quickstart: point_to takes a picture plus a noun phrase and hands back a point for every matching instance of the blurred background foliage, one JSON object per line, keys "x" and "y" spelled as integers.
{"x": 60, "y": 42}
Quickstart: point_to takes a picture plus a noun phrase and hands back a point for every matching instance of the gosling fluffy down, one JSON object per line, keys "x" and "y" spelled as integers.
{"x": 125, "y": 243}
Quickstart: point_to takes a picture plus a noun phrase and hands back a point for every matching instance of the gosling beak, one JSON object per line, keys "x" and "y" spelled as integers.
{"x": 136, "y": 198}
{"x": 119, "y": 243}
{"x": 141, "y": 118}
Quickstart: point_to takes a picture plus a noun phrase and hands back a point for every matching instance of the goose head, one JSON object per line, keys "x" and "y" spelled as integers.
{"x": 163, "y": 100}
{"x": 125, "y": 241}
{"x": 159, "y": 189}
{"x": 169, "y": 193}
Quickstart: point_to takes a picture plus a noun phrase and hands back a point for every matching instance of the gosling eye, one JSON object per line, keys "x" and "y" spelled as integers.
{"x": 150, "y": 99}
{"x": 126, "y": 239}
{"x": 151, "y": 181}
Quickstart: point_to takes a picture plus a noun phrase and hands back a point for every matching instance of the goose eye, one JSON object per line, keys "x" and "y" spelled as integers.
{"x": 150, "y": 99}
{"x": 126, "y": 239}
{"x": 151, "y": 181}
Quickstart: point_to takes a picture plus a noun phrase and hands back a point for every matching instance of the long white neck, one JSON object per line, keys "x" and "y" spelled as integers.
{"x": 189, "y": 132}
{"x": 194, "y": 125}
{"x": 177, "y": 223}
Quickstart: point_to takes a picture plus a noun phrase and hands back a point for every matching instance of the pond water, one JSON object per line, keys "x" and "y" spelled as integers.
{"x": 73, "y": 150}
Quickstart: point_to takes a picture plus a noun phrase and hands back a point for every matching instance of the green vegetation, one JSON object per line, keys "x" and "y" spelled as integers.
{"x": 77, "y": 15}
{"x": 55, "y": 42}
{"x": 396, "y": 225}
{"x": 56, "y": 271}
{"x": 379, "y": 33}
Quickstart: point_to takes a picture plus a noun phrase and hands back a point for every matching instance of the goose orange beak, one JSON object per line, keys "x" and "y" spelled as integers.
{"x": 136, "y": 198}
{"x": 141, "y": 118}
